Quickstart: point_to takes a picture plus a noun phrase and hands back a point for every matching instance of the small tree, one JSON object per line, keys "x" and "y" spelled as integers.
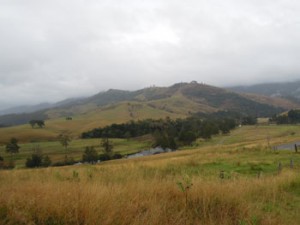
{"x": 34, "y": 161}
{"x": 107, "y": 146}
{"x": 32, "y": 123}
{"x": 90, "y": 155}
{"x": 37, "y": 160}
{"x": 12, "y": 147}
{"x": 40, "y": 123}
{"x": 164, "y": 140}
{"x": 65, "y": 140}
{"x": 46, "y": 161}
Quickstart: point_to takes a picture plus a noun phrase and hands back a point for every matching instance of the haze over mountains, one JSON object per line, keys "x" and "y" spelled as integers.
{"x": 286, "y": 89}
{"x": 289, "y": 90}
{"x": 178, "y": 100}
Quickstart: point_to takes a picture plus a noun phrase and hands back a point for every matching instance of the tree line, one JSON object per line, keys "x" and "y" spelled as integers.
{"x": 38, "y": 159}
{"x": 170, "y": 133}
{"x": 292, "y": 117}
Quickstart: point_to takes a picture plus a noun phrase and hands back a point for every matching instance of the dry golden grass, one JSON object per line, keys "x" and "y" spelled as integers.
{"x": 145, "y": 191}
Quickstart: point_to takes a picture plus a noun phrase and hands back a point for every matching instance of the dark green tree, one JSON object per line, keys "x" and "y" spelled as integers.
{"x": 294, "y": 116}
{"x": 37, "y": 160}
{"x": 187, "y": 137}
{"x": 12, "y": 147}
{"x": 65, "y": 140}
{"x": 46, "y": 161}
{"x": 32, "y": 123}
{"x": 39, "y": 123}
{"x": 34, "y": 161}
{"x": 107, "y": 146}
{"x": 249, "y": 120}
{"x": 90, "y": 155}
{"x": 164, "y": 140}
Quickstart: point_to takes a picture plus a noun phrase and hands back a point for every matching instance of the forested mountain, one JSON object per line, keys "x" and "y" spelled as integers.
{"x": 178, "y": 100}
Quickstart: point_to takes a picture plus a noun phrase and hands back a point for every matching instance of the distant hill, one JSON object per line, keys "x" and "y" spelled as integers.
{"x": 25, "y": 108}
{"x": 177, "y": 101}
{"x": 289, "y": 90}
{"x": 33, "y": 108}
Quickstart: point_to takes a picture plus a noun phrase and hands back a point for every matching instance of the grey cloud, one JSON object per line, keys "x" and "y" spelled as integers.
{"x": 51, "y": 50}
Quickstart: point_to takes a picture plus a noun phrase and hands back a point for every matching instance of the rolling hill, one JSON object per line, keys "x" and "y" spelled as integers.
{"x": 118, "y": 106}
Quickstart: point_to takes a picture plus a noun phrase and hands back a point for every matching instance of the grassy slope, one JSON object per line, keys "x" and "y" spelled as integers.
{"x": 247, "y": 136}
{"x": 176, "y": 106}
{"x": 75, "y": 149}
{"x": 144, "y": 191}
{"x": 97, "y": 118}
{"x": 279, "y": 102}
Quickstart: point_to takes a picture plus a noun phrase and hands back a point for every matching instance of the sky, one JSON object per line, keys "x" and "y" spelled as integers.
{"x": 52, "y": 50}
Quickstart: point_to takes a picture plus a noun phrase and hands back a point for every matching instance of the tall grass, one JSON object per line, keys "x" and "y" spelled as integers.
{"x": 143, "y": 192}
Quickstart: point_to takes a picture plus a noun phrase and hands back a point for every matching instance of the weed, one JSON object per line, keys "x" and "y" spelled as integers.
{"x": 184, "y": 185}
{"x": 75, "y": 176}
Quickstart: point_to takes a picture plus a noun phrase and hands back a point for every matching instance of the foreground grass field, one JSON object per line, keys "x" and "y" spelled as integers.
{"x": 252, "y": 189}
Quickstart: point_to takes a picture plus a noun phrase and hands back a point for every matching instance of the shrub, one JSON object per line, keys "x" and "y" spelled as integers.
{"x": 90, "y": 155}
{"x": 46, "y": 161}
{"x": 117, "y": 156}
{"x": 7, "y": 165}
{"x": 104, "y": 157}
{"x": 37, "y": 160}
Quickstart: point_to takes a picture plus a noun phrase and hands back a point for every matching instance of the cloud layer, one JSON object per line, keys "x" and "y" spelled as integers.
{"x": 51, "y": 50}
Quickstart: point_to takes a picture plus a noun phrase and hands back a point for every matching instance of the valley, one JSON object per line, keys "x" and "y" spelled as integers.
{"x": 233, "y": 177}
{"x": 235, "y": 180}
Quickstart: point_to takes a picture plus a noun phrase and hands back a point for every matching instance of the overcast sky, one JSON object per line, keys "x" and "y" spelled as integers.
{"x": 55, "y": 49}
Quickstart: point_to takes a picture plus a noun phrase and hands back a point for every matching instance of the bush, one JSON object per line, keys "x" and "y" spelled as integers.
{"x": 59, "y": 164}
{"x": 37, "y": 160}
{"x": 66, "y": 162}
{"x": 46, "y": 161}
{"x": 34, "y": 161}
{"x": 117, "y": 156}
{"x": 104, "y": 157}
{"x": 7, "y": 165}
{"x": 69, "y": 161}
{"x": 90, "y": 155}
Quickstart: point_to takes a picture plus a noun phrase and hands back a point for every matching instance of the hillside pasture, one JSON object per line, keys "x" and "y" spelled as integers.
{"x": 76, "y": 147}
{"x": 99, "y": 117}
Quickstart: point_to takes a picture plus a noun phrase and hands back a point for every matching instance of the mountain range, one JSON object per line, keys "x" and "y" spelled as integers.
{"x": 178, "y": 100}
{"x": 289, "y": 90}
